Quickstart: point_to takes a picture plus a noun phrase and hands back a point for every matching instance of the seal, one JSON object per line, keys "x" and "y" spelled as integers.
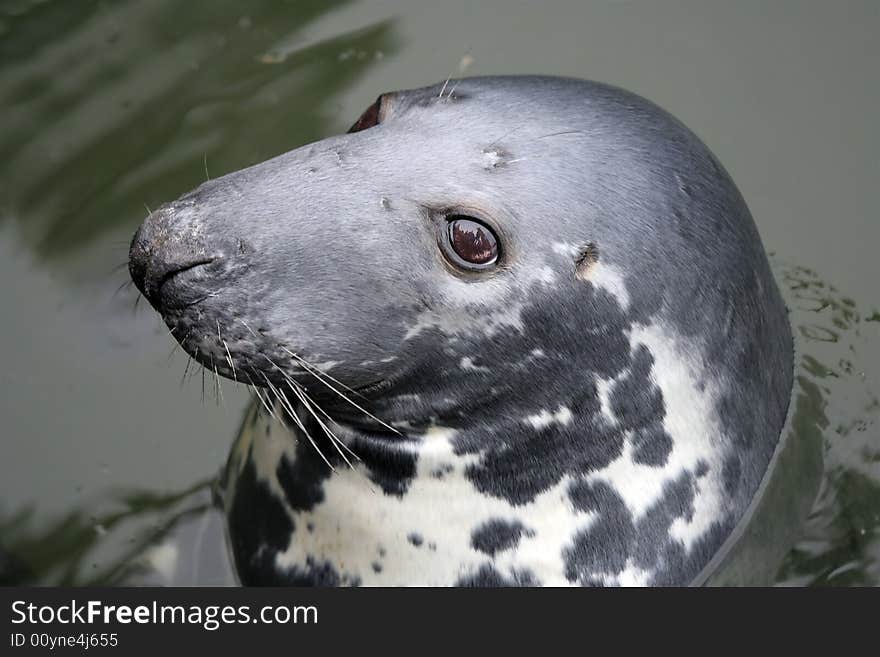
{"x": 505, "y": 331}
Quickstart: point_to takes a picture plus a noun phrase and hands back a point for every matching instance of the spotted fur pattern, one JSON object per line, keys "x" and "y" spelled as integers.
{"x": 616, "y": 474}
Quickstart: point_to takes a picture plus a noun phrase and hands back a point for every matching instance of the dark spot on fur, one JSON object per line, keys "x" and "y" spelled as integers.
{"x": 488, "y": 576}
{"x": 508, "y": 467}
{"x": 497, "y": 535}
{"x": 442, "y": 471}
{"x": 391, "y": 467}
{"x": 651, "y": 446}
{"x": 415, "y": 539}
{"x": 657, "y": 551}
{"x": 730, "y": 474}
{"x": 635, "y": 401}
{"x": 680, "y": 567}
{"x": 259, "y": 528}
{"x": 316, "y": 573}
{"x": 614, "y": 537}
{"x": 303, "y": 478}
{"x": 605, "y": 545}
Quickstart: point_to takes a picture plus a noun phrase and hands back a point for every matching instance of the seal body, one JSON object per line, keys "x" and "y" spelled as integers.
{"x": 597, "y": 405}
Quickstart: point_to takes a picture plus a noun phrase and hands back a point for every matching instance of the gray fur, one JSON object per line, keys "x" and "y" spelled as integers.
{"x": 330, "y": 251}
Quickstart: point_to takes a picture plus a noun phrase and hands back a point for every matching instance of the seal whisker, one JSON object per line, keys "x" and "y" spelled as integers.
{"x": 218, "y": 386}
{"x": 285, "y": 403}
{"x": 248, "y": 327}
{"x": 173, "y": 351}
{"x": 313, "y": 403}
{"x": 177, "y": 345}
{"x": 559, "y": 134}
{"x": 310, "y": 406}
{"x": 307, "y": 401}
{"x": 122, "y": 286}
{"x": 228, "y": 355}
{"x": 185, "y": 370}
{"x": 342, "y": 396}
{"x": 229, "y": 360}
{"x": 304, "y": 396}
{"x": 260, "y": 397}
{"x": 334, "y": 439}
{"x": 463, "y": 65}
{"x": 318, "y": 373}
{"x": 504, "y": 136}
{"x": 265, "y": 403}
{"x": 443, "y": 88}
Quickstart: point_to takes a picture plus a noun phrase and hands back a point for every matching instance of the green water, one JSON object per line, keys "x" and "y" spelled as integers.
{"x": 109, "y": 108}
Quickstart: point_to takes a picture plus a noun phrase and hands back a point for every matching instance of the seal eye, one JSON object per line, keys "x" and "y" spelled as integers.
{"x": 469, "y": 243}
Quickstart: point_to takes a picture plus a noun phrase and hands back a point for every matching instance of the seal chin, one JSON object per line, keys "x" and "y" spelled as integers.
{"x": 237, "y": 348}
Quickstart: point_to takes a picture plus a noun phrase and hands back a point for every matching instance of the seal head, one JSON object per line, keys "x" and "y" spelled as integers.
{"x": 568, "y": 358}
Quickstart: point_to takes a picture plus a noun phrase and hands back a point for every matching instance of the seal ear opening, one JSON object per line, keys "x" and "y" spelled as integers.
{"x": 372, "y": 116}
{"x": 586, "y": 261}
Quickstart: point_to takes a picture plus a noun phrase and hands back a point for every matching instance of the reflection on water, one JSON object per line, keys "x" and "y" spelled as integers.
{"x": 106, "y": 107}
{"x": 85, "y": 547}
{"x": 841, "y": 543}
